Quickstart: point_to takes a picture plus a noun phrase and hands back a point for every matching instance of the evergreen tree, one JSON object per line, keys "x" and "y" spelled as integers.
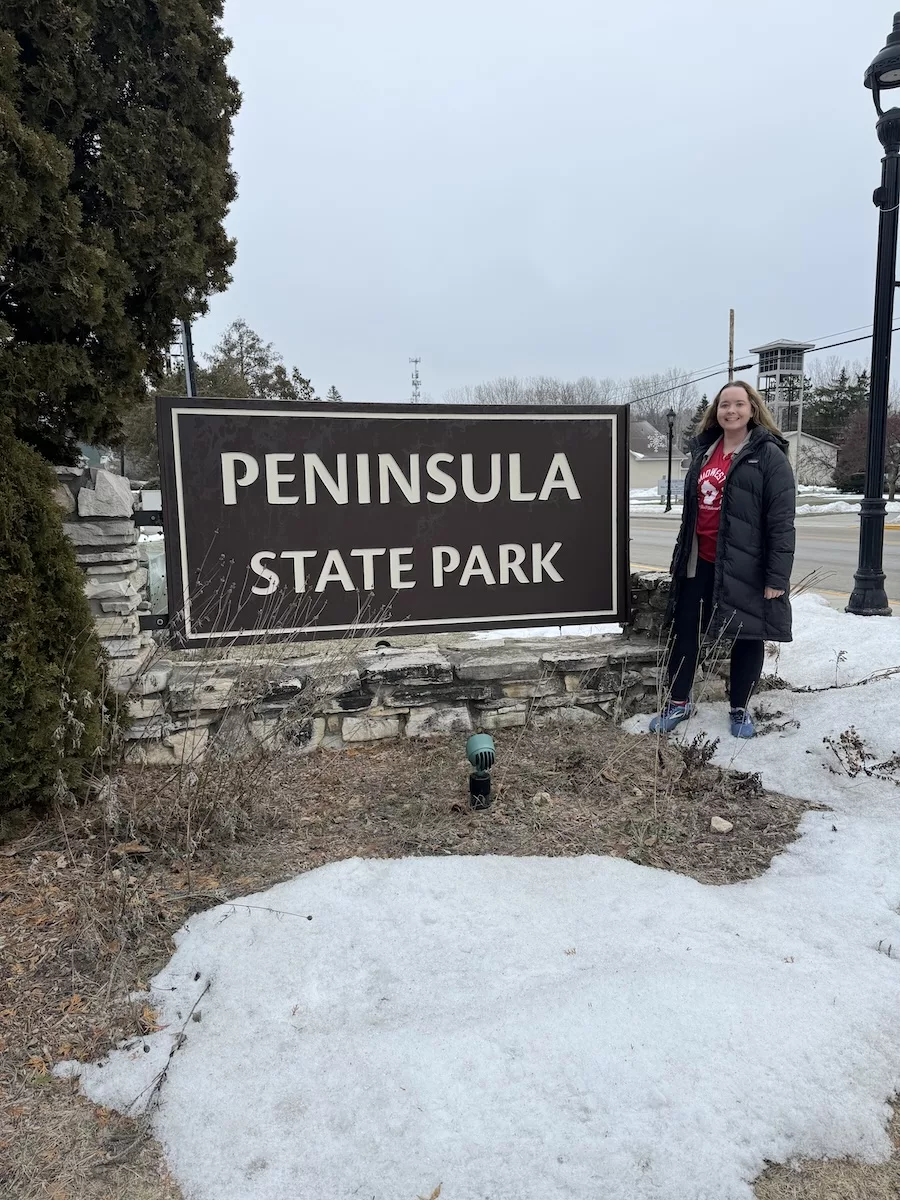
{"x": 115, "y": 127}
{"x": 692, "y": 427}
{"x": 333, "y": 395}
{"x": 50, "y": 714}
{"x": 302, "y": 388}
{"x": 240, "y": 366}
{"x": 828, "y": 409}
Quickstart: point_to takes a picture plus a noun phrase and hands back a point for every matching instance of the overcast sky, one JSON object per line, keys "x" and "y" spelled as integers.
{"x": 565, "y": 187}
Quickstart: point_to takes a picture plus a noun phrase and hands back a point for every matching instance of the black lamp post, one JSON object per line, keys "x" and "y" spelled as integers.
{"x": 869, "y": 598}
{"x": 670, "y": 417}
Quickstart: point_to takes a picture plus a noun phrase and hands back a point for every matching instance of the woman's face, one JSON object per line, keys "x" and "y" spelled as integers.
{"x": 735, "y": 410}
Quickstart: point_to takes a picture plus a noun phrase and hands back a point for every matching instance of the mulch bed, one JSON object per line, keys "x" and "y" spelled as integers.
{"x": 91, "y": 896}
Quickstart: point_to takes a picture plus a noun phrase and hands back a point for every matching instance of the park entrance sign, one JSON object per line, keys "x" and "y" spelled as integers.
{"x": 286, "y": 521}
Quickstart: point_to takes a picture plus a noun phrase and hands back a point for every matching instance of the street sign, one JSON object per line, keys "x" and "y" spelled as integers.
{"x": 677, "y": 488}
{"x": 286, "y": 521}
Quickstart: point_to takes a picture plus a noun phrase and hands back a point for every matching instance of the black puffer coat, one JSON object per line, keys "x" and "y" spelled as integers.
{"x": 756, "y": 538}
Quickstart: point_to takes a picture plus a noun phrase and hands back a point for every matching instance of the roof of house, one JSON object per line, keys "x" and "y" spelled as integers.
{"x": 646, "y": 442}
{"x": 812, "y": 437}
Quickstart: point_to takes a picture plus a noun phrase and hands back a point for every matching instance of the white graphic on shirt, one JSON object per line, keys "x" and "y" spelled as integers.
{"x": 711, "y": 482}
{"x": 710, "y": 492}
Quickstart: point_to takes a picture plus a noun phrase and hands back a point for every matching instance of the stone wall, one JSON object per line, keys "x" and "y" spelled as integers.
{"x": 337, "y": 697}
{"x": 649, "y": 599}
{"x": 97, "y": 509}
{"x": 334, "y": 694}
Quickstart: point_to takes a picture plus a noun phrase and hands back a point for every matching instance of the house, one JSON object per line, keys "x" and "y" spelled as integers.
{"x": 818, "y": 459}
{"x": 649, "y": 455}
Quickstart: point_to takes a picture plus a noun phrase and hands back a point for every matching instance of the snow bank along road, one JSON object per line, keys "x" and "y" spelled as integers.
{"x": 826, "y": 544}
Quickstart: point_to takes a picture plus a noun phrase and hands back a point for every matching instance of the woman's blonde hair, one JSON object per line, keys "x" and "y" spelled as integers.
{"x": 760, "y": 412}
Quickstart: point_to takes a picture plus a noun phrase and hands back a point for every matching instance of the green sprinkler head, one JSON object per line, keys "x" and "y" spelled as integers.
{"x": 480, "y": 753}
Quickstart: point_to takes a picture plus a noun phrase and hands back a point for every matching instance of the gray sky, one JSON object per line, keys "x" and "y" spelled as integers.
{"x": 567, "y": 187}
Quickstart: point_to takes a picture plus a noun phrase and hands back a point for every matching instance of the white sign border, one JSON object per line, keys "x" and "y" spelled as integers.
{"x": 355, "y": 414}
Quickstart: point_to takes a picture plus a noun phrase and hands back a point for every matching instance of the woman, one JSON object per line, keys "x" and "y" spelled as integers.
{"x": 732, "y": 565}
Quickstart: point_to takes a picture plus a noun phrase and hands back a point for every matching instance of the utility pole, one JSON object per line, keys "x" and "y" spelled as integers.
{"x": 190, "y": 375}
{"x": 730, "y": 345}
{"x": 416, "y": 381}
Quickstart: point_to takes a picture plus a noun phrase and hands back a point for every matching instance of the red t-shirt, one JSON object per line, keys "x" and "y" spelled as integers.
{"x": 709, "y": 495}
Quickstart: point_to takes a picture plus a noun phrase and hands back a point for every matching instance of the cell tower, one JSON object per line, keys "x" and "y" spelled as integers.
{"x": 416, "y": 381}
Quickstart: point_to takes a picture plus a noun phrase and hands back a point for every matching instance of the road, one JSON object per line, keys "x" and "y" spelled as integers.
{"x": 827, "y": 545}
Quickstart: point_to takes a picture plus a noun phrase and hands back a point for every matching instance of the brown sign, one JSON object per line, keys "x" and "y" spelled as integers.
{"x": 287, "y": 520}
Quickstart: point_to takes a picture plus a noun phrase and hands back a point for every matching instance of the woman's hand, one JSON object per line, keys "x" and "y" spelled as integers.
{"x": 774, "y": 593}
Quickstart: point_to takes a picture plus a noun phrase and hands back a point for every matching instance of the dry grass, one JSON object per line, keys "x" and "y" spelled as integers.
{"x": 90, "y": 897}
{"x": 838, "y": 1180}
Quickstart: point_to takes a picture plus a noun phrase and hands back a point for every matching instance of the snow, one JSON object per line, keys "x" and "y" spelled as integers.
{"x": 548, "y": 631}
{"x": 533, "y": 1028}
{"x": 839, "y": 506}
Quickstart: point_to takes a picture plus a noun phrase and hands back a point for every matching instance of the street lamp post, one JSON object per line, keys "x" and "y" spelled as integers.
{"x": 670, "y": 417}
{"x": 869, "y": 598}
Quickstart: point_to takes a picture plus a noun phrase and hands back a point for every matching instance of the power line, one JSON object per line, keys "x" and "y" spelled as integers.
{"x": 685, "y": 382}
{"x": 865, "y": 338}
{"x": 748, "y": 367}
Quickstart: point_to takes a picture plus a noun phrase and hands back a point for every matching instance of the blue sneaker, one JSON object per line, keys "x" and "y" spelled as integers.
{"x": 671, "y": 716}
{"x": 742, "y": 724}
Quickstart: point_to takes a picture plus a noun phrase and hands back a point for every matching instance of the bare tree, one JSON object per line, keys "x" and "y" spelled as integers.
{"x": 537, "y": 389}
{"x": 651, "y": 397}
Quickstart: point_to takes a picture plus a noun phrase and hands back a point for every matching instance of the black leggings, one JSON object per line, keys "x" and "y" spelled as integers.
{"x": 692, "y": 616}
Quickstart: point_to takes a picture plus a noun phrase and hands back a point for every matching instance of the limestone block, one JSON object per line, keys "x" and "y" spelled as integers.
{"x": 109, "y": 497}
{"x": 507, "y": 719}
{"x": 177, "y": 749}
{"x": 124, "y": 675}
{"x": 142, "y": 708}
{"x": 412, "y": 695}
{"x": 64, "y": 498}
{"x": 425, "y": 664}
{"x": 113, "y": 570}
{"x": 370, "y": 729}
{"x": 101, "y": 533}
{"x": 122, "y": 647}
{"x": 571, "y": 659}
{"x": 319, "y": 675}
{"x": 348, "y": 702}
{"x": 117, "y": 627}
{"x": 149, "y": 728}
{"x": 301, "y": 737}
{"x": 539, "y": 687}
{"x": 121, "y": 608}
{"x": 437, "y": 722}
{"x": 125, "y": 557}
{"x": 107, "y": 587}
{"x": 201, "y": 694}
{"x": 507, "y": 664}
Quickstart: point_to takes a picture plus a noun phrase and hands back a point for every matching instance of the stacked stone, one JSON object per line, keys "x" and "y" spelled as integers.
{"x": 649, "y": 599}
{"x": 310, "y": 701}
{"x": 97, "y": 517}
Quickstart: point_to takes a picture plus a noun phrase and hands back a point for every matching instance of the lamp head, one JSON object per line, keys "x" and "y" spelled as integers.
{"x": 883, "y": 73}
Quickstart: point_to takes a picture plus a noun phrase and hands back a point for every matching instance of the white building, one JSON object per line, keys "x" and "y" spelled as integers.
{"x": 818, "y": 459}
{"x": 649, "y": 455}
